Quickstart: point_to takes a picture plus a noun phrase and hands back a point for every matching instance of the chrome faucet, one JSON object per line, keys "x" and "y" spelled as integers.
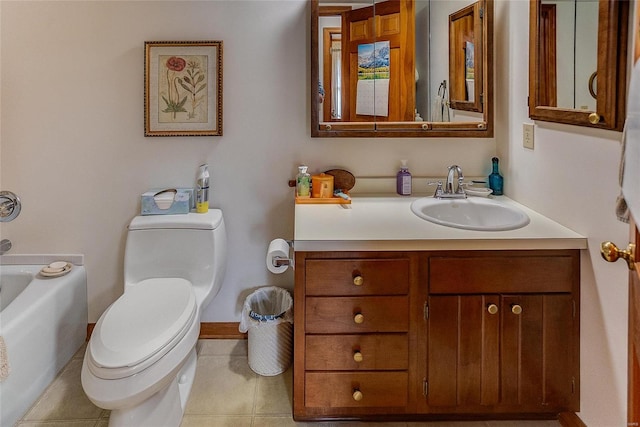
{"x": 449, "y": 192}
{"x": 5, "y": 245}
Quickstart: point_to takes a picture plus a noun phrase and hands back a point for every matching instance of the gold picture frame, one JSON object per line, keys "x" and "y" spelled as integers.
{"x": 183, "y": 88}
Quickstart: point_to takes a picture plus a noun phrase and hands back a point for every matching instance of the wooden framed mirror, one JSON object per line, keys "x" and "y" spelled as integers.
{"x": 577, "y": 75}
{"x": 406, "y": 94}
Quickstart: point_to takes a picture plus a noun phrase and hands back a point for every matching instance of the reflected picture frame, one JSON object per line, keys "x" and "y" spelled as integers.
{"x": 183, "y": 88}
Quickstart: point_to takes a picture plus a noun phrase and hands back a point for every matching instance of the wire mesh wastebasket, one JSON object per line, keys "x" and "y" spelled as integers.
{"x": 267, "y": 317}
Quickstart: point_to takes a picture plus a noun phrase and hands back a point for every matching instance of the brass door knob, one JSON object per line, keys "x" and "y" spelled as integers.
{"x": 358, "y": 357}
{"x": 516, "y": 309}
{"x": 357, "y": 395}
{"x": 594, "y": 118}
{"x": 492, "y": 308}
{"x": 358, "y": 318}
{"x": 611, "y": 253}
{"x": 358, "y": 280}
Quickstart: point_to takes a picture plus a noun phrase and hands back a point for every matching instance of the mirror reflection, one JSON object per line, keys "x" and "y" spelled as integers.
{"x": 465, "y": 42}
{"x": 568, "y": 51}
{"x": 392, "y": 65}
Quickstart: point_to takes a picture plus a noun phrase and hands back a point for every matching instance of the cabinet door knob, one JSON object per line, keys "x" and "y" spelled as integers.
{"x": 358, "y": 318}
{"x": 492, "y": 308}
{"x": 516, "y": 309}
{"x": 358, "y": 357}
{"x": 611, "y": 253}
{"x": 358, "y": 280}
{"x": 357, "y": 395}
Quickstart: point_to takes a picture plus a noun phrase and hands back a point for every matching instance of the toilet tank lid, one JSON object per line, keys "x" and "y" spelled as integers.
{"x": 196, "y": 221}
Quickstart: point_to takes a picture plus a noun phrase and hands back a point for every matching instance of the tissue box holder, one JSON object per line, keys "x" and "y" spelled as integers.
{"x": 182, "y": 202}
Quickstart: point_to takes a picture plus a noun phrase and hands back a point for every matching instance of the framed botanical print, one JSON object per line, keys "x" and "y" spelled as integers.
{"x": 183, "y": 88}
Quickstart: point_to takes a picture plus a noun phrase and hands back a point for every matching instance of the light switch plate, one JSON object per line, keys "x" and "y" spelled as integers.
{"x": 527, "y": 135}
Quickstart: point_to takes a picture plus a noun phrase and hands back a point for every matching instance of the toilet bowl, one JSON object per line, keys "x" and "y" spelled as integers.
{"x": 140, "y": 361}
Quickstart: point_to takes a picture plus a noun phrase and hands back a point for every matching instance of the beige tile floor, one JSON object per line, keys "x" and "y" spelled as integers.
{"x": 236, "y": 398}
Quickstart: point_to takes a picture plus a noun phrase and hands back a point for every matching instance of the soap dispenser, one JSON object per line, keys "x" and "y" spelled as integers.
{"x": 303, "y": 183}
{"x": 495, "y": 179}
{"x": 403, "y": 180}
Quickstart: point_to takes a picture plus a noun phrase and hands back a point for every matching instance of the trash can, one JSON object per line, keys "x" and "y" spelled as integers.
{"x": 267, "y": 316}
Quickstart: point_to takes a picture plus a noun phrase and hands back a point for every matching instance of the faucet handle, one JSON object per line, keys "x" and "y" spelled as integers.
{"x": 439, "y": 190}
{"x": 461, "y": 185}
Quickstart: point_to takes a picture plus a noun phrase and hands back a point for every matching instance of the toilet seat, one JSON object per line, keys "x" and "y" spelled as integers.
{"x": 141, "y": 327}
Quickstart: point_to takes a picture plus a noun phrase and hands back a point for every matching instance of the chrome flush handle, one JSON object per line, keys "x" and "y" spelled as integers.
{"x": 9, "y": 206}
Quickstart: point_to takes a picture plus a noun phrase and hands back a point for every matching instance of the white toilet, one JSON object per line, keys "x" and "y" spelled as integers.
{"x": 141, "y": 359}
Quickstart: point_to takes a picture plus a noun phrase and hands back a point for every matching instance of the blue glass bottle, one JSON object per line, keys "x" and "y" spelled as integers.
{"x": 495, "y": 179}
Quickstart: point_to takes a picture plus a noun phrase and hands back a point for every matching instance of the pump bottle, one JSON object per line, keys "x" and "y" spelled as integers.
{"x": 403, "y": 180}
{"x": 303, "y": 183}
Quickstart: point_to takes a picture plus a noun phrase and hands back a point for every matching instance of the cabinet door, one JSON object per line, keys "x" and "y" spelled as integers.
{"x": 506, "y": 353}
{"x": 463, "y": 352}
{"x": 538, "y": 369}
{"x": 522, "y": 348}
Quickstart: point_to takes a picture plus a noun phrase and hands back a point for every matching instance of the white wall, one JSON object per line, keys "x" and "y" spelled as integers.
{"x": 570, "y": 176}
{"x": 72, "y": 137}
{"x": 73, "y": 148}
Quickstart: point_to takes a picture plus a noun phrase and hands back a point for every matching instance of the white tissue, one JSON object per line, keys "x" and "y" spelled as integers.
{"x": 164, "y": 199}
{"x": 278, "y": 248}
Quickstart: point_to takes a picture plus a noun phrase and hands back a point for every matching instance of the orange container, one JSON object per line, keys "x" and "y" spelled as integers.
{"x": 322, "y": 186}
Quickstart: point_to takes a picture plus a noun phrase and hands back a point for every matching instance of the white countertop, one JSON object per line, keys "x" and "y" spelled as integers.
{"x": 387, "y": 224}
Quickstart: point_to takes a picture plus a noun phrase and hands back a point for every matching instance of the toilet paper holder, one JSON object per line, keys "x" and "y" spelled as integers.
{"x": 279, "y": 261}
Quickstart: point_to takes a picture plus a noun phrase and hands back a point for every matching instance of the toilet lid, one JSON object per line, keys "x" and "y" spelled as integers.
{"x": 142, "y": 325}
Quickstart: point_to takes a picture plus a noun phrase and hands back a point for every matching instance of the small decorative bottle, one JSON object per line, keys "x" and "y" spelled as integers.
{"x": 303, "y": 183}
{"x": 495, "y": 179}
{"x": 403, "y": 180}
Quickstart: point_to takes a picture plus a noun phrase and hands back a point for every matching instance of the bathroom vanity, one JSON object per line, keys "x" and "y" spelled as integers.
{"x": 400, "y": 318}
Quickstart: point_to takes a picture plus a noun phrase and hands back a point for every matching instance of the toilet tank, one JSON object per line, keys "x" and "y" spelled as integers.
{"x": 191, "y": 246}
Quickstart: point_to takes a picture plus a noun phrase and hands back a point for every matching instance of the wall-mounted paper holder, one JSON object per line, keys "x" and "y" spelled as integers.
{"x": 279, "y": 261}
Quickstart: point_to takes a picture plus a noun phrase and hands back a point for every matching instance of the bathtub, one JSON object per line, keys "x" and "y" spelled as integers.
{"x": 43, "y": 322}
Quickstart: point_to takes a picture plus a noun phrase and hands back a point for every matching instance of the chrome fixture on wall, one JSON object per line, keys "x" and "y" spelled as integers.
{"x": 5, "y": 246}
{"x": 9, "y": 206}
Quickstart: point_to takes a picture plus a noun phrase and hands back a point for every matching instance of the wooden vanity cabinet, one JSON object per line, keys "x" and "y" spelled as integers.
{"x": 442, "y": 334}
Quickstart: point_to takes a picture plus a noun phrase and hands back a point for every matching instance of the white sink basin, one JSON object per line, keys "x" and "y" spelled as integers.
{"x": 470, "y": 214}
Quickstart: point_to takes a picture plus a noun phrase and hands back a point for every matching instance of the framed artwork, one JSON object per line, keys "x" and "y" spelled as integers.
{"x": 183, "y": 88}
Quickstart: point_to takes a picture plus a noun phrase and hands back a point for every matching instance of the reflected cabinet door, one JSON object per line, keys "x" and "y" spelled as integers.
{"x": 379, "y": 62}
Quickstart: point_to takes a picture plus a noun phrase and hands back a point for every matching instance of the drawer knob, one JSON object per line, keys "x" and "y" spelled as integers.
{"x": 516, "y": 309}
{"x": 492, "y": 309}
{"x": 358, "y": 357}
{"x": 358, "y": 318}
{"x": 358, "y": 280}
{"x": 357, "y": 395}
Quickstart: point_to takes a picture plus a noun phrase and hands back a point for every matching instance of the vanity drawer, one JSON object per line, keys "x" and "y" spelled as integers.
{"x": 356, "y": 352}
{"x": 330, "y": 315}
{"x": 357, "y": 277}
{"x": 336, "y": 389}
{"x": 504, "y": 274}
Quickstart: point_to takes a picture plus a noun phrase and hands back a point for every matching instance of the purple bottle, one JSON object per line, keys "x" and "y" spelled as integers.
{"x": 403, "y": 180}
